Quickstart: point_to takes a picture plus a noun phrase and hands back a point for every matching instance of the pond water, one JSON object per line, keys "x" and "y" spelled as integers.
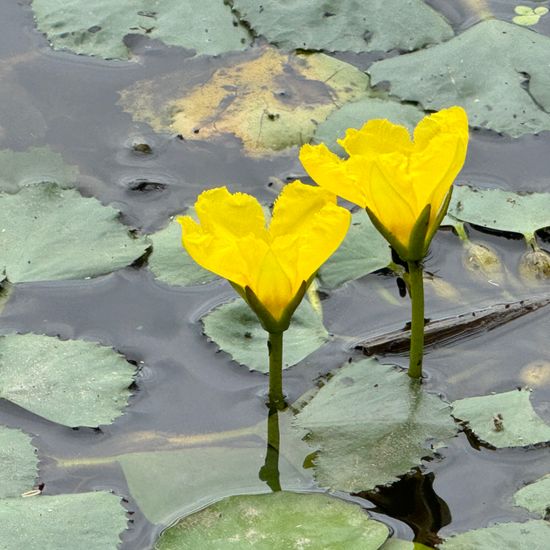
{"x": 184, "y": 386}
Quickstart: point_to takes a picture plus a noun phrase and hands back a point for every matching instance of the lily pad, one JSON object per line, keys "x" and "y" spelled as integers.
{"x": 269, "y": 100}
{"x": 48, "y": 233}
{"x": 535, "y": 497}
{"x": 363, "y": 251}
{"x": 372, "y": 423}
{"x": 533, "y": 535}
{"x": 71, "y": 382}
{"x": 504, "y": 419}
{"x": 36, "y": 165}
{"x": 18, "y": 463}
{"x": 502, "y": 210}
{"x": 235, "y": 328}
{"x": 507, "y": 89}
{"x": 277, "y": 521}
{"x": 98, "y": 27}
{"x": 345, "y": 25}
{"x": 357, "y": 113}
{"x": 62, "y": 522}
{"x": 170, "y": 262}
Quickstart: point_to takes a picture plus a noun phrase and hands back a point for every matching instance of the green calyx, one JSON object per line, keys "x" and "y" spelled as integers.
{"x": 268, "y": 322}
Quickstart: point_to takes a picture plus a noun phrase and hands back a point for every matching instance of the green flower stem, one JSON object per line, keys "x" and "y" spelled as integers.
{"x": 270, "y": 470}
{"x": 416, "y": 290}
{"x": 275, "y": 346}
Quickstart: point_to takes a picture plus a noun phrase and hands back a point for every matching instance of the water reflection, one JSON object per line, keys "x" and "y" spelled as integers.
{"x": 269, "y": 472}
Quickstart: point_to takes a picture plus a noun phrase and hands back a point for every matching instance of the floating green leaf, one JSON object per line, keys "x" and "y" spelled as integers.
{"x": 237, "y": 331}
{"x": 357, "y": 113}
{"x": 372, "y": 423}
{"x": 501, "y": 210}
{"x": 398, "y": 544}
{"x": 36, "y": 165}
{"x": 535, "y": 496}
{"x": 18, "y": 463}
{"x": 98, "y": 27}
{"x": 532, "y": 535}
{"x": 62, "y": 522}
{"x": 507, "y": 89}
{"x": 277, "y": 521}
{"x": 504, "y": 419}
{"x": 171, "y": 263}
{"x": 527, "y": 16}
{"x": 71, "y": 382}
{"x": 268, "y": 100}
{"x": 363, "y": 251}
{"x": 345, "y": 25}
{"x": 49, "y": 233}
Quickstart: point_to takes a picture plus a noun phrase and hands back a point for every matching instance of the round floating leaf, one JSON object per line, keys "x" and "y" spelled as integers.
{"x": 18, "y": 463}
{"x": 532, "y": 535}
{"x": 98, "y": 27}
{"x": 363, "y": 251}
{"x": 63, "y": 522}
{"x": 357, "y": 113}
{"x": 71, "y": 382}
{"x": 398, "y": 544}
{"x": 49, "y": 233}
{"x": 501, "y": 210}
{"x": 36, "y": 165}
{"x": 372, "y": 423}
{"x": 504, "y": 419}
{"x": 345, "y": 25}
{"x": 535, "y": 496}
{"x": 269, "y": 100}
{"x": 527, "y": 16}
{"x": 507, "y": 89}
{"x": 237, "y": 331}
{"x": 171, "y": 263}
{"x": 277, "y": 521}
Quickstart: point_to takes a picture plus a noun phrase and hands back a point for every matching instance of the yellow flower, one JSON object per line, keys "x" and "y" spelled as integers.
{"x": 270, "y": 266}
{"x": 404, "y": 184}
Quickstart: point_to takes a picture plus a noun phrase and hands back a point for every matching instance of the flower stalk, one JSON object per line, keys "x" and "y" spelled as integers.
{"x": 275, "y": 347}
{"x": 416, "y": 291}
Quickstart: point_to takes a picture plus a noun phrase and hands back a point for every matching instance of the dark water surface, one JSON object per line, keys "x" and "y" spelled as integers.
{"x": 184, "y": 385}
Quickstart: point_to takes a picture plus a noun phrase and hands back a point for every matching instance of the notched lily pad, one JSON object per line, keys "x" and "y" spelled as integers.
{"x": 276, "y": 521}
{"x": 535, "y": 497}
{"x": 18, "y": 463}
{"x": 98, "y": 27}
{"x": 357, "y": 113}
{"x": 345, "y": 25}
{"x": 533, "y": 535}
{"x": 507, "y": 89}
{"x": 62, "y": 522}
{"x": 269, "y": 100}
{"x": 36, "y": 165}
{"x": 49, "y": 233}
{"x": 235, "y": 328}
{"x": 372, "y": 423}
{"x": 71, "y": 382}
{"x": 504, "y": 419}
{"x": 363, "y": 251}
{"x": 171, "y": 263}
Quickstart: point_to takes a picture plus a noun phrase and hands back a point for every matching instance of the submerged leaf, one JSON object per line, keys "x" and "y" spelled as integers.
{"x": 506, "y": 89}
{"x": 171, "y": 263}
{"x": 235, "y": 328}
{"x": 98, "y": 27}
{"x": 269, "y": 100}
{"x": 277, "y": 521}
{"x": 372, "y": 423}
{"x": 71, "y": 382}
{"x": 62, "y": 522}
{"x": 345, "y": 25}
{"x": 503, "y": 420}
{"x": 533, "y": 535}
{"x": 36, "y": 165}
{"x": 363, "y": 251}
{"x": 48, "y": 233}
{"x": 535, "y": 497}
{"x": 18, "y": 463}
